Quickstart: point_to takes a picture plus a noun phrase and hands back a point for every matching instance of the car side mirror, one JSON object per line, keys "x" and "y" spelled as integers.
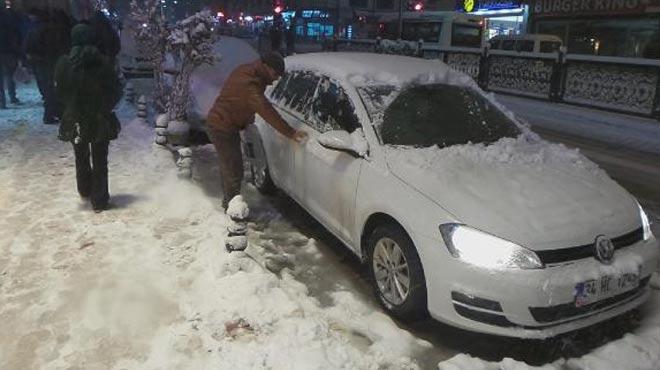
{"x": 354, "y": 143}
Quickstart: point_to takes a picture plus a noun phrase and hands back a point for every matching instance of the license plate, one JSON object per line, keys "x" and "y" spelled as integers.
{"x": 591, "y": 291}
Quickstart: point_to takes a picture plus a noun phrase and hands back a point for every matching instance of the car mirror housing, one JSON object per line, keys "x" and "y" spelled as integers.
{"x": 343, "y": 141}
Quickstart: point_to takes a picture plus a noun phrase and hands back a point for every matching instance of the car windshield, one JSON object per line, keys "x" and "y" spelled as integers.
{"x": 438, "y": 114}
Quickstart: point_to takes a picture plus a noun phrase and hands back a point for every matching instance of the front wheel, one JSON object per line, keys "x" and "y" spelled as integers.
{"x": 261, "y": 179}
{"x": 396, "y": 273}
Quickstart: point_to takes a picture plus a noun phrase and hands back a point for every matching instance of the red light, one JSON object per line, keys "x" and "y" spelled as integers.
{"x": 278, "y": 9}
{"x": 418, "y": 7}
{"x": 221, "y": 15}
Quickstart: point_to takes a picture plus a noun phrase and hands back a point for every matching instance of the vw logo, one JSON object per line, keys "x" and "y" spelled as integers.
{"x": 604, "y": 249}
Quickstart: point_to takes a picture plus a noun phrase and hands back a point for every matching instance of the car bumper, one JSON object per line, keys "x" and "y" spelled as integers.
{"x": 529, "y": 303}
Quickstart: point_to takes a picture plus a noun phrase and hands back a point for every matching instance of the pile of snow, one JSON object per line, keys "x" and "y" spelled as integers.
{"x": 362, "y": 69}
{"x": 524, "y": 151}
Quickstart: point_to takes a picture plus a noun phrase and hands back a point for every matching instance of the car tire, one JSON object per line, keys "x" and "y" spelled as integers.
{"x": 262, "y": 180}
{"x": 414, "y": 305}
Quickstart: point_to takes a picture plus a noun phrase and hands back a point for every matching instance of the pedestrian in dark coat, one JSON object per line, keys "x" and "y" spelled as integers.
{"x": 10, "y": 51}
{"x": 48, "y": 40}
{"x": 275, "y": 38}
{"x": 291, "y": 40}
{"x": 242, "y": 97}
{"x": 89, "y": 89}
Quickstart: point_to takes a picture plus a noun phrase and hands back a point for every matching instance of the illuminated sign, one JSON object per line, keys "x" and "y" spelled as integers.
{"x": 469, "y": 6}
{"x": 573, "y": 7}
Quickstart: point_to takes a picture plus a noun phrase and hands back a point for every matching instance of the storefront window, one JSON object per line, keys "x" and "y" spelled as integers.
{"x": 509, "y": 25}
{"x": 636, "y": 38}
{"x": 318, "y": 29}
{"x": 553, "y": 28}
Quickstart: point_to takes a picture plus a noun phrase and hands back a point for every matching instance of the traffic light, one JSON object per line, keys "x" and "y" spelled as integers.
{"x": 415, "y": 5}
{"x": 278, "y": 6}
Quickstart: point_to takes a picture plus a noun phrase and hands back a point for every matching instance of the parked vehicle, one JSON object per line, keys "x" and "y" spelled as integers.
{"x": 530, "y": 43}
{"x": 457, "y": 209}
{"x": 444, "y": 29}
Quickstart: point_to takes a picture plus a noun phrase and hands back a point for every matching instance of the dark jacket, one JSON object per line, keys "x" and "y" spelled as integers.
{"x": 49, "y": 39}
{"x": 242, "y": 97}
{"x": 10, "y": 35}
{"x": 89, "y": 89}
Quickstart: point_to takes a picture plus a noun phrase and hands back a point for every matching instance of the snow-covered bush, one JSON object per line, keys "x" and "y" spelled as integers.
{"x": 191, "y": 44}
{"x": 151, "y": 33}
{"x": 398, "y": 47}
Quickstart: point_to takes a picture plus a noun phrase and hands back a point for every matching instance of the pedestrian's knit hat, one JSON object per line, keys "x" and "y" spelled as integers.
{"x": 275, "y": 61}
{"x": 81, "y": 35}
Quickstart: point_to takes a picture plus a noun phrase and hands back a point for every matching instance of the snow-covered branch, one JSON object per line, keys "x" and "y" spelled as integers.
{"x": 190, "y": 42}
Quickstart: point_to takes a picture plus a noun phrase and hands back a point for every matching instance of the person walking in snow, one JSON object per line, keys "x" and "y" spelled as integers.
{"x": 46, "y": 43}
{"x": 234, "y": 109}
{"x": 86, "y": 82}
{"x": 10, "y": 51}
{"x": 291, "y": 40}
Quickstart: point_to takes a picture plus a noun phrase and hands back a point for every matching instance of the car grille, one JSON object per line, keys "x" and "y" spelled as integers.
{"x": 568, "y": 310}
{"x": 585, "y": 251}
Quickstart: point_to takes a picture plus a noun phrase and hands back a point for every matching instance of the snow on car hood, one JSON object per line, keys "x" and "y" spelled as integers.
{"x": 537, "y": 194}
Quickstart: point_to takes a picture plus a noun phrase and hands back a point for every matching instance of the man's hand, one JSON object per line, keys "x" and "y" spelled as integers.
{"x": 300, "y": 136}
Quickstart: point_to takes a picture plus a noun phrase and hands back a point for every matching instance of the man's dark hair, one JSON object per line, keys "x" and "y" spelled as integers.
{"x": 275, "y": 61}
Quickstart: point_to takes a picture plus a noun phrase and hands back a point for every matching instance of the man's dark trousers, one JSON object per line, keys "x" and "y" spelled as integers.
{"x": 228, "y": 147}
{"x": 43, "y": 73}
{"x": 8, "y": 65}
{"x": 92, "y": 178}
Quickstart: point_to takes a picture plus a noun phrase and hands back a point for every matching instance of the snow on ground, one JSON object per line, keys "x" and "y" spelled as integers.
{"x": 625, "y": 131}
{"x": 148, "y": 283}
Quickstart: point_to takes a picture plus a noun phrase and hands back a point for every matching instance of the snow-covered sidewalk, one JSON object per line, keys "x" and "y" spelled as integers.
{"x": 148, "y": 284}
{"x": 618, "y": 130}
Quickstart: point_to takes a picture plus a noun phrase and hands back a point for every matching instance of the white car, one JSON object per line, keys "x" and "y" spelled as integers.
{"x": 458, "y": 210}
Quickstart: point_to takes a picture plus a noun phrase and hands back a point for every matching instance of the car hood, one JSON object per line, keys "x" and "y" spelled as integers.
{"x": 537, "y": 194}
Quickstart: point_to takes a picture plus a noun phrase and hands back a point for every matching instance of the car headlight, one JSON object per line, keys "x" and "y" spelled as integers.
{"x": 484, "y": 250}
{"x": 646, "y": 225}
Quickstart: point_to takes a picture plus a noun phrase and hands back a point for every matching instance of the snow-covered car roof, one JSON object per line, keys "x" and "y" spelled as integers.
{"x": 362, "y": 69}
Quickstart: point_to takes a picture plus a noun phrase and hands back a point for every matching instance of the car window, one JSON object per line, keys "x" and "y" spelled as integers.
{"x": 297, "y": 91}
{"x": 549, "y": 46}
{"x": 332, "y": 109}
{"x": 443, "y": 115}
{"x": 508, "y": 44}
{"x": 278, "y": 91}
{"x": 525, "y": 45}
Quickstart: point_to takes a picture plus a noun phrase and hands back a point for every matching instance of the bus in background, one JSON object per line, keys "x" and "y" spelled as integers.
{"x": 443, "y": 29}
{"x": 529, "y": 43}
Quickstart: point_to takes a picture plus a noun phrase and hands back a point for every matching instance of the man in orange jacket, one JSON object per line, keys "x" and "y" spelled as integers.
{"x": 241, "y": 97}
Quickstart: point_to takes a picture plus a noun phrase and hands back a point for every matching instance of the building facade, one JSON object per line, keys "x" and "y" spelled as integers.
{"x": 619, "y": 28}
